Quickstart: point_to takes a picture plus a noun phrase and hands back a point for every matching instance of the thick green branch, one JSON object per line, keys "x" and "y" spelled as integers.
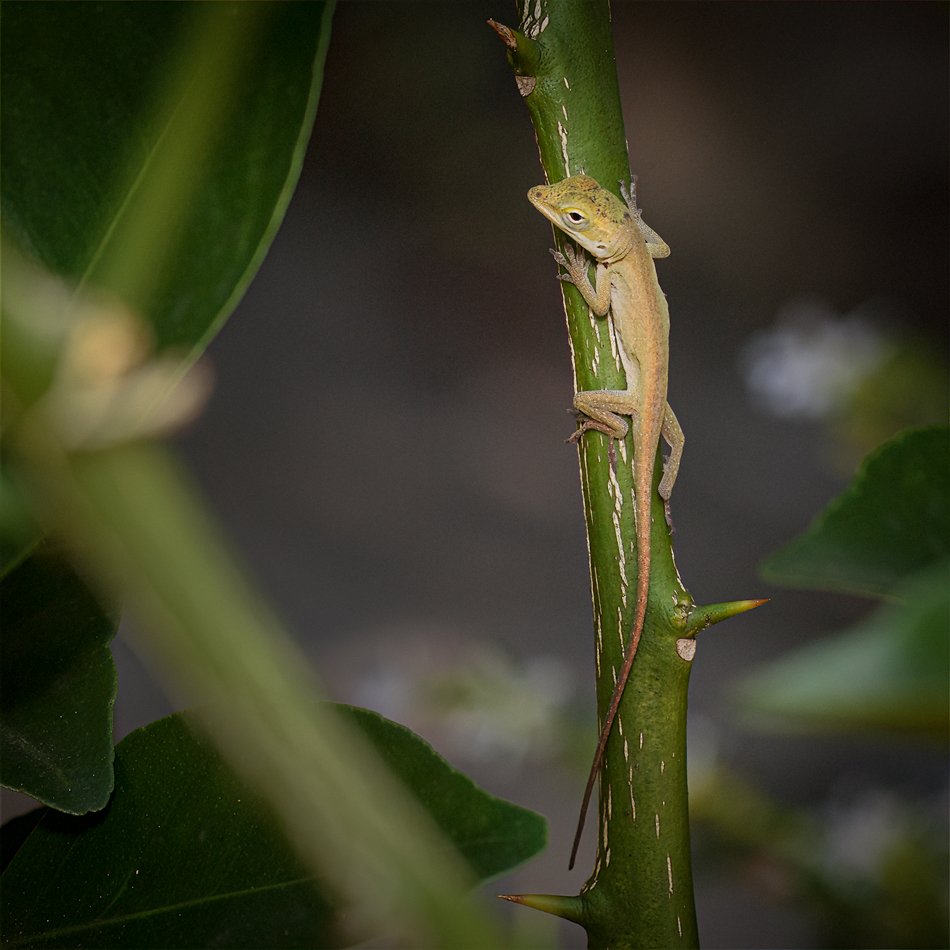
{"x": 640, "y": 892}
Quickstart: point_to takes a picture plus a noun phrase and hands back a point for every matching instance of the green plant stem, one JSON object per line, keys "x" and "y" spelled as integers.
{"x": 640, "y": 892}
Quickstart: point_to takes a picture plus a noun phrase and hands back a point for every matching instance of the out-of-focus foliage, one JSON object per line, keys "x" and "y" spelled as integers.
{"x": 150, "y": 151}
{"x": 57, "y": 686}
{"x": 187, "y": 855}
{"x": 871, "y": 870}
{"x": 887, "y": 535}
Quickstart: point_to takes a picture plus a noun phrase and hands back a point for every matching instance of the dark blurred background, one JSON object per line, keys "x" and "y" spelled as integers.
{"x": 385, "y": 441}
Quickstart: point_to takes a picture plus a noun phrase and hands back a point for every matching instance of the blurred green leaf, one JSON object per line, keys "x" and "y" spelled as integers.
{"x": 892, "y": 521}
{"x": 187, "y": 856}
{"x": 92, "y": 149}
{"x": 889, "y": 673}
{"x": 57, "y": 686}
{"x": 908, "y": 388}
{"x": 19, "y": 533}
{"x": 493, "y": 835}
{"x": 871, "y": 868}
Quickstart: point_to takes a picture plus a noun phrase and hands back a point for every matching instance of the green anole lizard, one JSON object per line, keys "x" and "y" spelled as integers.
{"x": 623, "y": 247}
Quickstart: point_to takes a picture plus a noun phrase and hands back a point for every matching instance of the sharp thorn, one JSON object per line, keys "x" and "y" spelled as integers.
{"x": 506, "y": 33}
{"x": 524, "y": 53}
{"x": 702, "y": 617}
{"x": 570, "y": 908}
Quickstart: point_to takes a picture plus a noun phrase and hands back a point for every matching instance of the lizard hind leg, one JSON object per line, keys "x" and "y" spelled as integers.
{"x": 604, "y": 410}
{"x": 673, "y": 433}
{"x": 592, "y": 425}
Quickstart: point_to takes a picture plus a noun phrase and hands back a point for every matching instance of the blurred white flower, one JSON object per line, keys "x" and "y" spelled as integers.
{"x": 859, "y": 834}
{"x": 812, "y": 358}
{"x": 473, "y": 700}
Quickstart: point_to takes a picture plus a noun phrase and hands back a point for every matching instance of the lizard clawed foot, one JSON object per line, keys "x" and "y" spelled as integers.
{"x": 665, "y": 490}
{"x": 562, "y": 262}
{"x": 573, "y": 262}
{"x": 589, "y": 424}
{"x": 583, "y": 424}
{"x": 629, "y": 195}
{"x": 575, "y": 436}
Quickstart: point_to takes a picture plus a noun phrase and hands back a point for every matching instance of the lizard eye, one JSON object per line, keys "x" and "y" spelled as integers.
{"x": 575, "y": 219}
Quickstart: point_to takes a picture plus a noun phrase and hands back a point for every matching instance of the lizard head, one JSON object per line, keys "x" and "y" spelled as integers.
{"x": 599, "y": 221}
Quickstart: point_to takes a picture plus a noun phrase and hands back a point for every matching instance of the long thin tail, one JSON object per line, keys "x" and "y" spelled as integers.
{"x": 644, "y": 499}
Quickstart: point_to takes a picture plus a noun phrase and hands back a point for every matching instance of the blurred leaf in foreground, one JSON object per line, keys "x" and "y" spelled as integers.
{"x": 57, "y": 686}
{"x": 151, "y": 149}
{"x": 186, "y": 855}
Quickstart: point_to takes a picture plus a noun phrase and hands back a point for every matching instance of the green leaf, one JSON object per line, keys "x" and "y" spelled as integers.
{"x": 14, "y": 832}
{"x": 19, "y": 533}
{"x": 92, "y": 144}
{"x": 889, "y": 673}
{"x": 892, "y": 521}
{"x": 57, "y": 686}
{"x": 493, "y": 835}
{"x": 187, "y": 856}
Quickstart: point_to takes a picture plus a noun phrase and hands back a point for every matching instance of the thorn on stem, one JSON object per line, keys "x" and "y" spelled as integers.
{"x": 570, "y": 908}
{"x": 702, "y": 617}
{"x": 524, "y": 54}
{"x": 506, "y": 34}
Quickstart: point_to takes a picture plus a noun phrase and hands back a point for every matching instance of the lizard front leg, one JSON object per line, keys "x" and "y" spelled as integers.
{"x": 656, "y": 246}
{"x": 603, "y": 408}
{"x": 575, "y": 263}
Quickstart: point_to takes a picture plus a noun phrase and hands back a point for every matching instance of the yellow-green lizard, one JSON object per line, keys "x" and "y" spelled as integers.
{"x": 623, "y": 247}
